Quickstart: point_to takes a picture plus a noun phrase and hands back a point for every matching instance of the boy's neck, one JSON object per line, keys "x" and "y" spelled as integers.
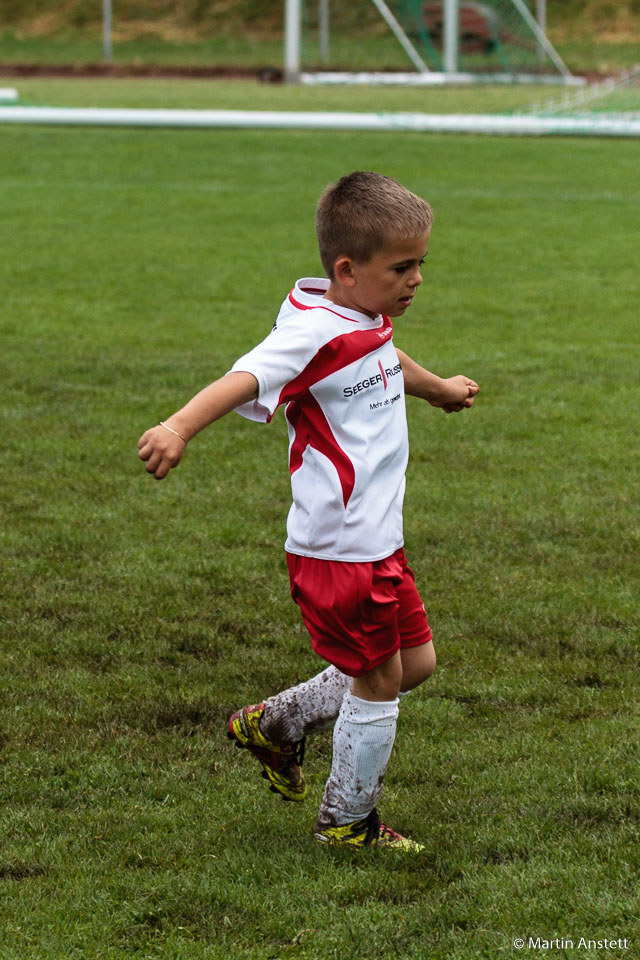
{"x": 335, "y": 294}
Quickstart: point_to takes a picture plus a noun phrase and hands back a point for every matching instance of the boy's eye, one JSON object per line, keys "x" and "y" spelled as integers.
{"x": 403, "y": 267}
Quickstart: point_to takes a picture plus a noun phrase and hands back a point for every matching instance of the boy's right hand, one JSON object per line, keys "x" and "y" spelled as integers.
{"x": 455, "y": 394}
{"x": 161, "y": 449}
{"x": 162, "y": 446}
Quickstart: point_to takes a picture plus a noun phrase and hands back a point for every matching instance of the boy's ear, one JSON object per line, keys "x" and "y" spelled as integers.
{"x": 343, "y": 271}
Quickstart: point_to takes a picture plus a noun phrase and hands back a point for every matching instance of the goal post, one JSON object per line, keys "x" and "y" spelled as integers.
{"x": 451, "y": 30}
{"x": 435, "y": 41}
{"x": 292, "y": 37}
{"x": 107, "y": 17}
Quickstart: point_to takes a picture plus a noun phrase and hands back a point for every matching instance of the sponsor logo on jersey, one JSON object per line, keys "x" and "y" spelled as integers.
{"x": 382, "y": 377}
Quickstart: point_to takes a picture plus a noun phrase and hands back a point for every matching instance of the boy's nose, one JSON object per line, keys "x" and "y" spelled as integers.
{"x": 416, "y": 279}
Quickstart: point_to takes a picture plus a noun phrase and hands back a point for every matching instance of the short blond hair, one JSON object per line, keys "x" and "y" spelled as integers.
{"x": 362, "y": 213}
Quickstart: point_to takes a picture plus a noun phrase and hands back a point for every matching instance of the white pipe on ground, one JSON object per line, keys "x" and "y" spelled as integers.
{"x": 517, "y": 124}
{"x": 436, "y": 79}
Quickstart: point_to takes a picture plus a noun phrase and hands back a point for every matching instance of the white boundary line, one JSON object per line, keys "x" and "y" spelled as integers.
{"x": 517, "y": 125}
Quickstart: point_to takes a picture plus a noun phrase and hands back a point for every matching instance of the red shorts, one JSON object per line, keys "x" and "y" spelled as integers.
{"x": 358, "y": 614}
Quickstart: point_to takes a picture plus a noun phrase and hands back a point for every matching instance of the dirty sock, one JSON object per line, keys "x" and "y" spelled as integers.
{"x": 311, "y": 706}
{"x": 362, "y": 741}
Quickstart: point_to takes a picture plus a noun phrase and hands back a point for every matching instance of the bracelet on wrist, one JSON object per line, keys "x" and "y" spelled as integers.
{"x": 174, "y": 432}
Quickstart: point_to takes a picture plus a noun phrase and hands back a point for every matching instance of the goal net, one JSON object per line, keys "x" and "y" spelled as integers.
{"x": 424, "y": 41}
{"x": 617, "y": 99}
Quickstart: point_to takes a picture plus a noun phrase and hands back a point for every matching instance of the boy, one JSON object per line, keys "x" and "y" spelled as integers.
{"x": 330, "y": 358}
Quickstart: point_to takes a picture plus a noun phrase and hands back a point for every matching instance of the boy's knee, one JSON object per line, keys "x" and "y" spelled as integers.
{"x": 430, "y": 660}
{"x": 418, "y": 664}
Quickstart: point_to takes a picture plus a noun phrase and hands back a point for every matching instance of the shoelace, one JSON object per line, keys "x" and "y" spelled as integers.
{"x": 388, "y": 833}
{"x": 377, "y": 831}
{"x": 373, "y": 828}
{"x": 298, "y": 751}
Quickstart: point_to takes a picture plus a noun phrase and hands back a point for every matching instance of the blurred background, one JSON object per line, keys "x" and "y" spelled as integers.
{"x": 593, "y": 37}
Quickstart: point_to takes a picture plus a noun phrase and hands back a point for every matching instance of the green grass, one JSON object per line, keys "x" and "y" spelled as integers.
{"x": 136, "y": 615}
{"x": 86, "y": 46}
{"x": 252, "y": 95}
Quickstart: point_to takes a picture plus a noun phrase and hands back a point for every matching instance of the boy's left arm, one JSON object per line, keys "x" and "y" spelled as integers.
{"x": 451, "y": 394}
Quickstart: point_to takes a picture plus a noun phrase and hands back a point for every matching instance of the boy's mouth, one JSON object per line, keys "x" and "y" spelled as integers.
{"x": 405, "y": 301}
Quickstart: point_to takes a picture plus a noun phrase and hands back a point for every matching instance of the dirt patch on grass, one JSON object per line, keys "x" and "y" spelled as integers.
{"x": 136, "y": 70}
{"x": 267, "y": 74}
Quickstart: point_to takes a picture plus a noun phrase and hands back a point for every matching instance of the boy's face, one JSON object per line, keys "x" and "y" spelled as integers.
{"x": 386, "y": 284}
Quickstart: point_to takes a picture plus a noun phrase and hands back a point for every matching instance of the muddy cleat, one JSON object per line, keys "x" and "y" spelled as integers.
{"x": 281, "y": 762}
{"x": 369, "y": 832}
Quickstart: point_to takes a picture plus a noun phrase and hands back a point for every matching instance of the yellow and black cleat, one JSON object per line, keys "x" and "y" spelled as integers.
{"x": 281, "y": 762}
{"x": 368, "y": 832}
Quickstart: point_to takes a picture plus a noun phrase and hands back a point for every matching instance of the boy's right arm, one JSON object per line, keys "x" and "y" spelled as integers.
{"x": 162, "y": 446}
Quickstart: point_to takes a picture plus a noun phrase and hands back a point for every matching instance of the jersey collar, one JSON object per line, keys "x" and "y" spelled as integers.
{"x": 310, "y": 292}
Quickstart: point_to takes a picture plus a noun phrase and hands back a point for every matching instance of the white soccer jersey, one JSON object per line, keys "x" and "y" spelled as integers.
{"x": 339, "y": 375}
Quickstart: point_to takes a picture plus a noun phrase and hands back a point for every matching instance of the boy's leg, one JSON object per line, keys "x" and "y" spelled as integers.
{"x": 389, "y": 617}
{"x": 363, "y": 738}
{"x": 307, "y": 708}
{"x": 274, "y": 731}
{"x": 365, "y": 730}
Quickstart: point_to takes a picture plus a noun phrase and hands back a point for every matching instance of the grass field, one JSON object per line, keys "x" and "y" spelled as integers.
{"x": 137, "y": 615}
{"x": 251, "y": 95}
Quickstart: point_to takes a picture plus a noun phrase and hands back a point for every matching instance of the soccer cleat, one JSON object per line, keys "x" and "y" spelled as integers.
{"x": 281, "y": 762}
{"x": 368, "y": 832}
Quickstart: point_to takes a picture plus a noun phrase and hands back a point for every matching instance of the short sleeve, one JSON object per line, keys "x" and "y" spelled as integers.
{"x": 275, "y": 362}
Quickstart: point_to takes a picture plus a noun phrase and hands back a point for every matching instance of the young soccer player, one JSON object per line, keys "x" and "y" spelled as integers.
{"x": 331, "y": 361}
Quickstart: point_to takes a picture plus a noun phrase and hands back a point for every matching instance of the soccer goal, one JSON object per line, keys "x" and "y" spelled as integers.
{"x": 423, "y": 42}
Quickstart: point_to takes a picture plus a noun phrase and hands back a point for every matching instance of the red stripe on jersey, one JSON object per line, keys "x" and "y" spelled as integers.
{"x": 384, "y": 376}
{"x": 305, "y": 414}
{"x": 312, "y": 429}
{"x": 314, "y": 306}
{"x": 334, "y": 355}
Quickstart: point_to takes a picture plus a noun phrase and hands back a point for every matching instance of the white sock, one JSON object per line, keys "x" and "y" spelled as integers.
{"x": 362, "y": 741}
{"x": 311, "y": 706}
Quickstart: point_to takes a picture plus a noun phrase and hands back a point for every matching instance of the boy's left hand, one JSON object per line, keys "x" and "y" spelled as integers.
{"x": 457, "y": 393}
